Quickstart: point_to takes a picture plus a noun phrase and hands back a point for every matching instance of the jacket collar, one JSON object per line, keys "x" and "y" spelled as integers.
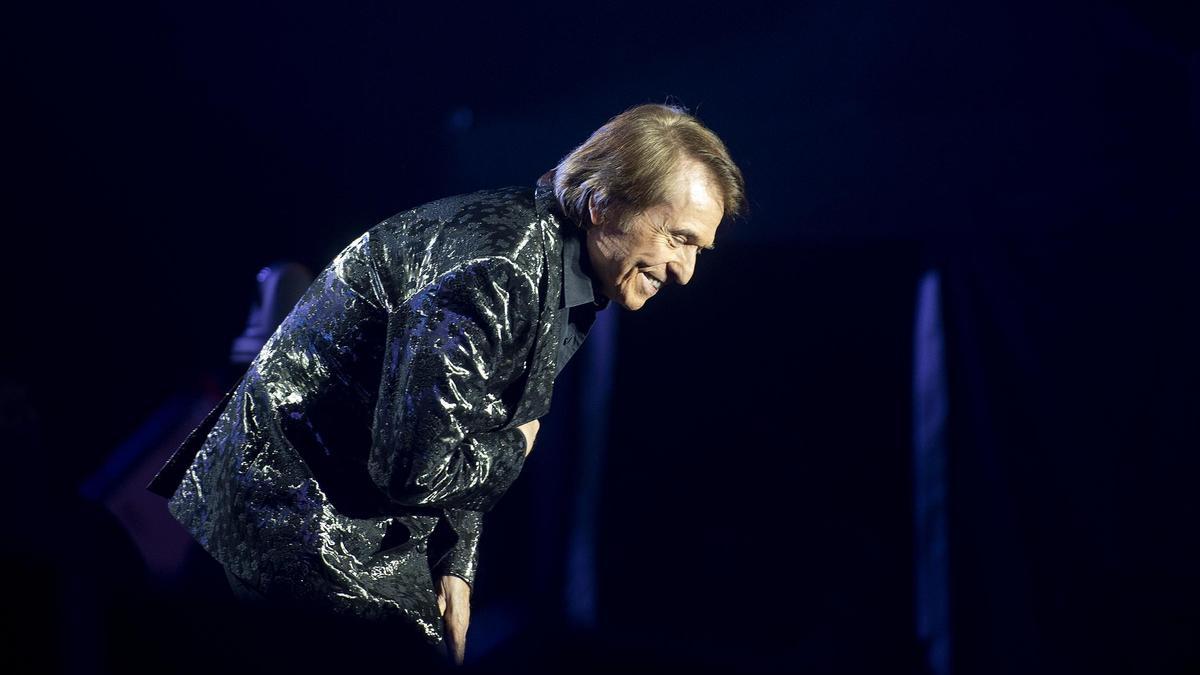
{"x": 578, "y": 281}
{"x": 577, "y": 277}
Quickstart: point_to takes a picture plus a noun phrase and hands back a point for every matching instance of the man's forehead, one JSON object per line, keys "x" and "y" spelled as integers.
{"x": 693, "y": 185}
{"x": 700, "y": 192}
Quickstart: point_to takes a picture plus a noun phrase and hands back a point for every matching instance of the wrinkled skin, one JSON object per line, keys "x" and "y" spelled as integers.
{"x": 662, "y": 243}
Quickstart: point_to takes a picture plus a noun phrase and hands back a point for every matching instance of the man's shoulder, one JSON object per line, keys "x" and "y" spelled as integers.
{"x": 512, "y": 206}
{"x": 503, "y": 222}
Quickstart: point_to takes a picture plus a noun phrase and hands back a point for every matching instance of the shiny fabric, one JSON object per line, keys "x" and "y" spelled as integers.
{"x": 358, "y": 453}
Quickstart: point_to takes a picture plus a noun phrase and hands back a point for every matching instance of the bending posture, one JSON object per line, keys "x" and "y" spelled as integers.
{"x": 349, "y": 469}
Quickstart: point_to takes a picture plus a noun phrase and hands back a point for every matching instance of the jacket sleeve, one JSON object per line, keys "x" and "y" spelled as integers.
{"x": 463, "y": 558}
{"x": 452, "y": 350}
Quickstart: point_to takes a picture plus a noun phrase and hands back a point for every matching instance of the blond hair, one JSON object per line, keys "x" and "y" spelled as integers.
{"x": 628, "y": 164}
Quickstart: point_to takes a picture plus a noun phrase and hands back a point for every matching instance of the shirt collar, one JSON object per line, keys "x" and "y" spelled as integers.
{"x": 578, "y": 280}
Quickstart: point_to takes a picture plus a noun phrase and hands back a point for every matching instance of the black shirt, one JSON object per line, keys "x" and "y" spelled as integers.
{"x": 578, "y": 297}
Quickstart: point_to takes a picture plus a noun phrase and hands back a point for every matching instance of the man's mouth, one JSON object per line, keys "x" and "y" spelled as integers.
{"x": 651, "y": 284}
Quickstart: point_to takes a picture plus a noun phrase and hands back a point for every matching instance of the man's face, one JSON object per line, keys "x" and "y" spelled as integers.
{"x": 663, "y": 243}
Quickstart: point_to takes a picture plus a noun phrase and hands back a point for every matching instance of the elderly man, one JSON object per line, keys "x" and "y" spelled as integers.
{"x": 349, "y": 470}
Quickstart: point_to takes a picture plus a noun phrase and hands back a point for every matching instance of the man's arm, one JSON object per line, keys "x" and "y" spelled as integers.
{"x": 455, "y": 571}
{"x": 463, "y": 558}
{"x": 451, "y": 351}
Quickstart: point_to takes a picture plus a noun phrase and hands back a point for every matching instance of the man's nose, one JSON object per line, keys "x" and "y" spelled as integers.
{"x": 684, "y": 266}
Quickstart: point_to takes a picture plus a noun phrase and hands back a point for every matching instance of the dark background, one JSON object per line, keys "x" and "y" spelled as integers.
{"x": 755, "y": 503}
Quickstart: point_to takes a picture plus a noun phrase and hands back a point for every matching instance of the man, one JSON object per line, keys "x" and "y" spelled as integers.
{"x": 349, "y": 470}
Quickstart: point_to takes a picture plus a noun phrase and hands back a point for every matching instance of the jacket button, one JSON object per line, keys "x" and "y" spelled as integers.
{"x": 421, "y": 547}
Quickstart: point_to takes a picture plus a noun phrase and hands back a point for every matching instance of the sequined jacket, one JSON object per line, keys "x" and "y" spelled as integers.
{"x": 356, "y": 456}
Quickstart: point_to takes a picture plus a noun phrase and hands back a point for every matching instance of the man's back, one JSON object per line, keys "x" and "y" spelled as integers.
{"x": 322, "y": 369}
{"x": 320, "y": 482}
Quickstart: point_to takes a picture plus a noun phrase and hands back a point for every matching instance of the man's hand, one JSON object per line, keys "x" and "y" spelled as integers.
{"x": 530, "y": 429}
{"x": 454, "y": 602}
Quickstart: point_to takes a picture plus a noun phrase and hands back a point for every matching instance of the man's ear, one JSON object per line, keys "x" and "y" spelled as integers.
{"x": 593, "y": 212}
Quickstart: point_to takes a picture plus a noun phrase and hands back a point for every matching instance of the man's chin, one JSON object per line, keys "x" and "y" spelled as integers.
{"x": 632, "y": 304}
{"x": 627, "y": 301}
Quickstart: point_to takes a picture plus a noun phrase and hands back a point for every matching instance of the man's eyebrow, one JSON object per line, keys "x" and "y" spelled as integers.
{"x": 691, "y": 234}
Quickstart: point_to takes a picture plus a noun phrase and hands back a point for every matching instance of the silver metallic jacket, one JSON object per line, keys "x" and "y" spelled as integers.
{"x": 356, "y": 456}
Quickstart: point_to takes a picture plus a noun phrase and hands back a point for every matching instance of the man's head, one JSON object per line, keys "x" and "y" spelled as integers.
{"x": 651, "y": 187}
